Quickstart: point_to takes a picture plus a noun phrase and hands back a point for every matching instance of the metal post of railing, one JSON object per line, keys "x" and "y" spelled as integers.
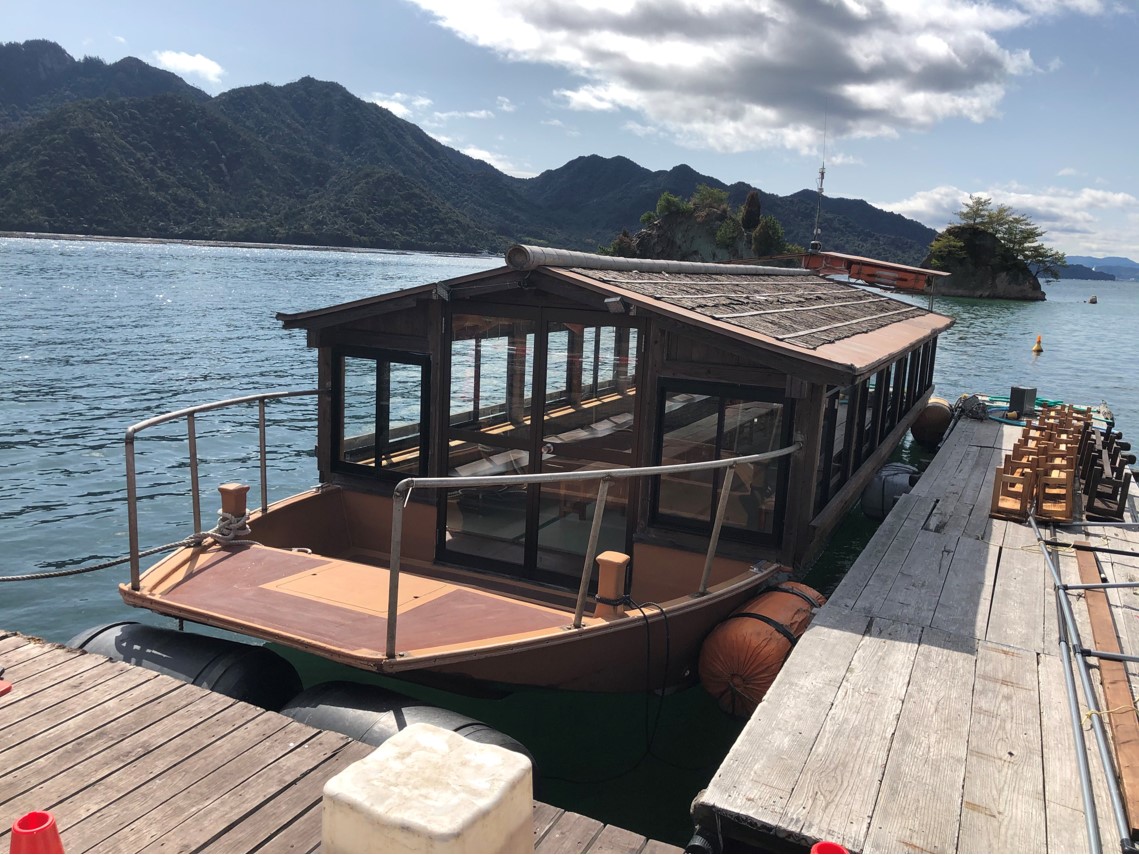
{"x": 403, "y": 489}
{"x": 261, "y": 448}
{"x": 1072, "y": 630}
{"x": 714, "y": 540}
{"x": 132, "y": 511}
{"x": 193, "y": 440}
{"x": 591, "y": 551}
{"x": 1091, "y": 817}
{"x": 188, "y": 414}
{"x": 400, "y": 495}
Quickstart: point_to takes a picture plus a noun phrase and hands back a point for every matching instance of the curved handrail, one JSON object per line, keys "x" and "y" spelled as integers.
{"x": 402, "y": 494}
{"x": 189, "y": 413}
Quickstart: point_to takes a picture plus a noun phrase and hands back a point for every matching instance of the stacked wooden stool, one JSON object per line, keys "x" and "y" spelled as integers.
{"x": 1105, "y": 474}
{"x": 1039, "y": 474}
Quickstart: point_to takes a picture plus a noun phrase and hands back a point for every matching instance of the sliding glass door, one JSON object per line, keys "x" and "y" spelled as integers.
{"x": 537, "y": 393}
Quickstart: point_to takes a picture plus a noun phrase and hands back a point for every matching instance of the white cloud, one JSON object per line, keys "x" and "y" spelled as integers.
{"x": 119, "y": 39}
{"x": 1076, "y": 221}
{"x": 1068, "y": 171}
{"x": 403, "y": 105}
{"x": 462, "y": 114}
{"x": 499, "y": 162}
{"x": 193, "y": 64}
{"x": 737, "y": 75}
{"x": 505, "y": 105}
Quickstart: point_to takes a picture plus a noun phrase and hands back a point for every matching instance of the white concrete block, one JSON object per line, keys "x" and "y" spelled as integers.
{"x": 430, "y": 790}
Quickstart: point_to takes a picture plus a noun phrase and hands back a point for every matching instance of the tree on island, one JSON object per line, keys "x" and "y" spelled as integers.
{"x": 734, "y": 230}
{"x": 1016, "y": 231}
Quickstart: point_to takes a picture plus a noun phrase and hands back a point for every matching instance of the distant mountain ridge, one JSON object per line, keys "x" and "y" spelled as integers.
{"x": 127, "y": 149}
{"x": 1113, "y": 265}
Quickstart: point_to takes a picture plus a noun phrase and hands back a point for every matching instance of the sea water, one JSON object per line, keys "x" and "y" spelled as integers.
{"x": 98, "y": 335}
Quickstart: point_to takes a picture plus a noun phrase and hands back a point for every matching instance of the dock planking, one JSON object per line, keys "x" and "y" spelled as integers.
{"x": 133, "y": 761}
{"x": 924, "y": 710}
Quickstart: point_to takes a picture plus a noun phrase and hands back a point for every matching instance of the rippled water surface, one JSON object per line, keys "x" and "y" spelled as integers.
{"x": 95, "y": 336}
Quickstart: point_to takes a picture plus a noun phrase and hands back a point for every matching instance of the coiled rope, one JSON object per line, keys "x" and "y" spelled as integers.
{"x": 228, "y": 532}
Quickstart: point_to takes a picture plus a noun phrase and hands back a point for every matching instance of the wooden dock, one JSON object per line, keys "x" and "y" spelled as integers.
{"x": 925, "y": 708}
{"x": 133, "y": 761}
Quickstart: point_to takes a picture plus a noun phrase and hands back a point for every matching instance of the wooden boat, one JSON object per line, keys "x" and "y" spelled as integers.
{"x": 562, "y": 472}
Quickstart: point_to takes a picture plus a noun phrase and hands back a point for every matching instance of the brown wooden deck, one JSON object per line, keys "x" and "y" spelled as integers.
{"x": 335, "y": 606}
{"x": 132, "y": 761}
{"x": 924, "y": 710}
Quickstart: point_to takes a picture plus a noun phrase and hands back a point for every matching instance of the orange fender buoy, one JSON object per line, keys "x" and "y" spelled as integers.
{"x": 741, "y": 657}
{"x": 932, "y": 422}
{"x": 1038, "y": 347}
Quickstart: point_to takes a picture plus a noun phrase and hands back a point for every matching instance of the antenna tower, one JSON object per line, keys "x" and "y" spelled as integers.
{"x": 816, "y": 241}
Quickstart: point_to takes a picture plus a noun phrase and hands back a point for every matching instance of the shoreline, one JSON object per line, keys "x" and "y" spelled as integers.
{"x": 232, "y": 244}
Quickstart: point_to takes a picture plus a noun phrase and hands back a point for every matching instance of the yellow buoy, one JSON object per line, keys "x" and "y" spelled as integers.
{"x": 1038, "y": 347}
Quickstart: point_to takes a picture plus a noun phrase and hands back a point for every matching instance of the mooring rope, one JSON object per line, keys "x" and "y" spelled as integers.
{"x": 228, "y": 532}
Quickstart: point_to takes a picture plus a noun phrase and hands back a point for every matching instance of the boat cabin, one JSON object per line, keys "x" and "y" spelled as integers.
{"x": 565, "y": 362}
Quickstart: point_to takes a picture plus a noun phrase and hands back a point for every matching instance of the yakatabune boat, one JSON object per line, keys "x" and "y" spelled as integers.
{"x": 485, "y": 444}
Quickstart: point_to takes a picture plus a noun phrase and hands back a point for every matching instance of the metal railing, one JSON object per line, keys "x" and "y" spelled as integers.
{"x": 189, "y": 415}
{"x": 402, "y": 494}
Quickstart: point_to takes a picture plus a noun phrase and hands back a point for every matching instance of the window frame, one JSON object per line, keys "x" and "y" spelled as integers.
{"x": 765, "y": 394}
{"x": 379, "y": 356}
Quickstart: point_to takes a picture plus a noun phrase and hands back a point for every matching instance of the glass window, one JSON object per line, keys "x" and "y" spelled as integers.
{"x": 491, "y": 370}
{"x": 382, "y": 405}
{"x": 697, "y": 427}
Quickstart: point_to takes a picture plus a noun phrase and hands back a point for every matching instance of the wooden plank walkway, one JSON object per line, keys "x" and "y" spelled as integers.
{"x": 924, "y": 710}
{"x": 133, "y": 761}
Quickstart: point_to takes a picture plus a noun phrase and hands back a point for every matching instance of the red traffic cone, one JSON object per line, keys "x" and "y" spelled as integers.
{"x": 35, "y": 832}
{"x": 826, "y": 847}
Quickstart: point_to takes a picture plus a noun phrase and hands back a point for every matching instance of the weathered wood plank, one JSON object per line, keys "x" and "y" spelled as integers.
{"x": 919, "y": 805}
{"x": 988, "y": 433}
{"x": 47, "y": 710}
{"x": 85, "y": 736}
{"x": 963, "y": 607}
{"x": 12, "y": 642}
{"x": 39, "y": 672}
{"x": 980, "y": 525}
{"x": 613, "y": 839}
{"x": 188, "y": 783}
{"x": 301, "y": 835}
{"x": 976, "y": 492}
{"x": 946, "y": 460}
{"x": 545, "y": 816}
{"x": 836, "y": 792}
{"x": 1003, "y": 807}
{"x": 1119, "y": 702}
{"x": 1016, "y": 615}
{"x": 299, "y": 796}
{"x": 913, "y": 596}
{"x": 909, "y": 513}
{"x": 1063, "y": 803}
{"x": 657, "y": 847}
{"x": 58, "y": 785}
{"x": 896, "y": 555}
{"x": 571, "y": 833}
{"x": 309, "y": 752}
{"x": 182, "y": 789}
{"x": 757, "y": 777}
{"x": 951, "y": 486}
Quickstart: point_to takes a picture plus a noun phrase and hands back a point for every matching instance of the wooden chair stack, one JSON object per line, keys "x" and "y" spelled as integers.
{"x": 1041, "y": 469}
{"x": 1105, "y": 475}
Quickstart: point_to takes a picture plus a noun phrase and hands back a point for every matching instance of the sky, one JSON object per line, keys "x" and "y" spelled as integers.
{"x": 912, "y": 105}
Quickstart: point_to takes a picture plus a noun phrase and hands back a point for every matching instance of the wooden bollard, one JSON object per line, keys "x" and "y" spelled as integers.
{"x": 610, "y": 583}
{"x": 233, "y": 499}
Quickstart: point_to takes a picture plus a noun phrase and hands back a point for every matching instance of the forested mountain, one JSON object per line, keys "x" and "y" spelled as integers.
{"x": 127, "y": 149}
{"x": 37, "y": 76}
